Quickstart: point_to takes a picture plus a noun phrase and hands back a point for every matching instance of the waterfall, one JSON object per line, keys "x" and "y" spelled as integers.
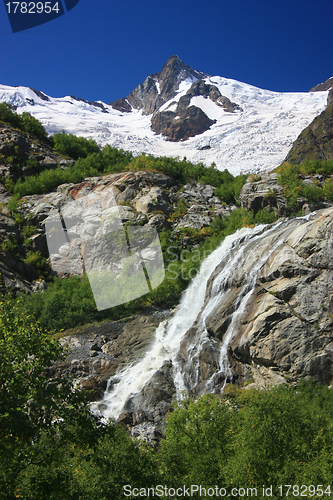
{"x": 245, "y": 245}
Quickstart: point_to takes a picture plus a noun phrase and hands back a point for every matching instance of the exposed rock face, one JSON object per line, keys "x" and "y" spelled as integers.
{"x": 152, "y": 199}
{"x": 21, "y": 155}
{"x": 189, "y": 120}
{"x": 284, "y": 328}
{"x": 41, "y": 95}
{"x": 315, "y": 141}
{"x": 200, "y": 88}
{"x": 96, "y": 352}
{"x": 121, "y": 104}
{"x": 263, "y": 191}
{"x": 93, "y": 103}
{"x": 143, "y": 199}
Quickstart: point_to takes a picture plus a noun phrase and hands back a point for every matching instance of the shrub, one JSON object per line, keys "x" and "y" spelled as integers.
{"x": 74, "y": 147}
{"x": 24, "y": 122}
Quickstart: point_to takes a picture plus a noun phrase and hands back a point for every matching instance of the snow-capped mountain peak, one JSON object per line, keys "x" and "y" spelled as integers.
{"x": 184, "y": 112}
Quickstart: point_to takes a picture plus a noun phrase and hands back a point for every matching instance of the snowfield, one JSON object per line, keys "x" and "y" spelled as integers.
{"x": 253, "y": 140}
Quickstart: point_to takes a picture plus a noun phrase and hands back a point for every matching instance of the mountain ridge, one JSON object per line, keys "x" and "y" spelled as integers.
{"x": 206, "y": 118}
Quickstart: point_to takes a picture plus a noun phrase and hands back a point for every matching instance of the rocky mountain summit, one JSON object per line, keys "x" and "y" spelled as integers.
{"x": 159, "y": 88}
{"x": 177, "y": 120}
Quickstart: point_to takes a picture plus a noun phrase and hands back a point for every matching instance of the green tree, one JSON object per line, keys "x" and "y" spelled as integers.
{"x": 36, "y": 411}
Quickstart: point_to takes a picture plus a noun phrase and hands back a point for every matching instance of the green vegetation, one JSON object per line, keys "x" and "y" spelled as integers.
{"x": 74, "y": 147}
{"x": 112, "y": 160}
{"x": 108, "y": 160}
{"x": 24, "y": 122}
{"x": 53, "y": 448}
{"x": 293, "y": 187}
{"x": 252, "y": 438}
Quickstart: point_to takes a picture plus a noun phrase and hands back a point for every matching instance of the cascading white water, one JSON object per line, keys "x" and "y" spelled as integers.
{"x": 168, "y": 335}
{"x": 246, "y": 244}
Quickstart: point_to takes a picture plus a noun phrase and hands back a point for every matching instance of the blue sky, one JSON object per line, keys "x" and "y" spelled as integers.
{"x": 102, "y": 49}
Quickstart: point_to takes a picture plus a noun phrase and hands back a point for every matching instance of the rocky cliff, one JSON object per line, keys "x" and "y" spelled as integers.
{"x": 145, "y": 199}
{"x": 266, "y": 319}
{"x": 269, "y": 319}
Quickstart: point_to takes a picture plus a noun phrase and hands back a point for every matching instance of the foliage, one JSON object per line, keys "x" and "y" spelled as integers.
{"x": 8, "y": 116}
{"x": 180, "y": 210}
{"x": 32, "y": 406}
{"x": 34, "y": 258}
{"x": 32, "y": 126}
{"x": 106, "y": 161}
{"x": 251, "y": 438}
{"x": 52, "y": 447}
{"x": 112, "y": 160}
{"x": 74, "y": 147}
{"x": 293, "y": 187}
{"x": 24, "y": 122}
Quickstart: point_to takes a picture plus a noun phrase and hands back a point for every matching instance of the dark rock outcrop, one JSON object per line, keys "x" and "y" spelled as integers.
{"x": 41, "y": 95}
{"x": 327, "y": 85}
{"x": 200, "y": 88}
{"x": 122, "y": 105}
{"x": 315, "y": 141}
{"x": 189, "y": 120}
{"x": 189, "y": 123}
{"x": 22, "y": 155}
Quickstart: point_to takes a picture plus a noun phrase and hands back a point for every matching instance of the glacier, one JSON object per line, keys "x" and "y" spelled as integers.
{"x": 256, "y": 139}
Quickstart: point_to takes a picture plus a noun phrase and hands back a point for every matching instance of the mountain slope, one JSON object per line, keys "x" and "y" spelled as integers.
{"x": 315, "y": 141}
{"x": 235, "y": 125}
